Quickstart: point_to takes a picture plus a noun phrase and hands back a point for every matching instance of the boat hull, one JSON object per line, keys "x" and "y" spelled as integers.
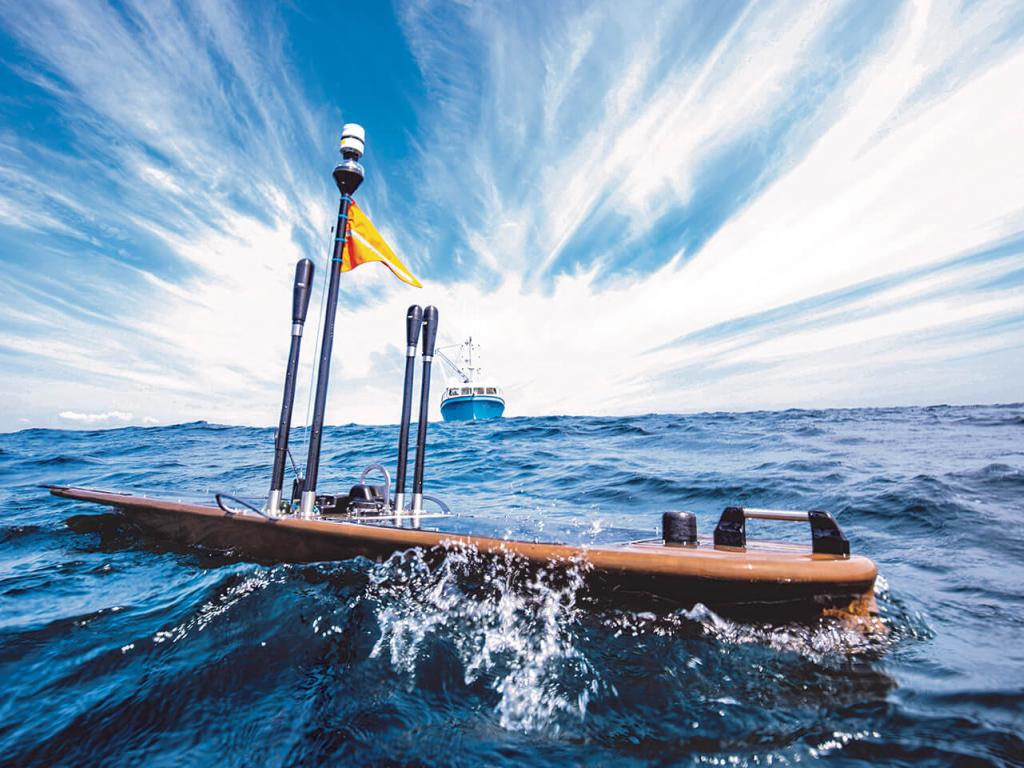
{"x": 766, "y": 579}
{"x": 472, "y": 408}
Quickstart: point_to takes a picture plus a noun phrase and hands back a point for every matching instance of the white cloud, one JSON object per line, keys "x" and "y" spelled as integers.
{"x": 531, "y": 133}
{"x": 897, "y": 177}
{"x": 95, "y": 418}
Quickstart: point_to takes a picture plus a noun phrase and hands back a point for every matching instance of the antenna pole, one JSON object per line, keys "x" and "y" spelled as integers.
{"x": 348, "y": 175}
{"x": 429, "y": 337}
{"x": 413, "y": 325}
{"x": 300, "y": 303}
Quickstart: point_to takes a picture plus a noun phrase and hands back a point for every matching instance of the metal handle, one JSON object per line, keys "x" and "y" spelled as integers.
{"x": 774, "y": 514}
{"x": 826, "y": 538}
{"x": 387, "y": 480}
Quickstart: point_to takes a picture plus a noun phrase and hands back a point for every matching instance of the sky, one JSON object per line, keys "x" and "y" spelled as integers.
{"x": 632, "y": 207}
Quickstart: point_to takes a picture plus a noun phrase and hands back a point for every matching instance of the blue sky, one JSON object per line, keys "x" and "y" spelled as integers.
{"x": 632, "y": 207}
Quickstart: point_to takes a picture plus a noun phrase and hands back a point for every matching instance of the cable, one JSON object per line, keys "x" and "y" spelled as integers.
{"x": 220, "y": 503}
{"x": 445, "y": 509}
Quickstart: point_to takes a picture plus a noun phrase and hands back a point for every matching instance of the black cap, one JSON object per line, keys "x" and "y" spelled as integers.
{"x": 413, "y": 323}
{"x": 430, "y": 333}
{"x": 302, "y": 291}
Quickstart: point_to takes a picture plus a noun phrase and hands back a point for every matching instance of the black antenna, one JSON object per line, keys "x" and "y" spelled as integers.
{"x": 413, "y": 324}
{"x": 429, "y": 337}
{"x": 300, "y": 304}
{"x": 348, "y": 175}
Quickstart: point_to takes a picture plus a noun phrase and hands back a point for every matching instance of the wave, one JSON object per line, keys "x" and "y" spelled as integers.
{"x": 511, "y": 628}
{"x": 134, "y": 645}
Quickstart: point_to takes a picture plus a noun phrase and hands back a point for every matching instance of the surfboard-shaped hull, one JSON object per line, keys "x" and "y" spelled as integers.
{"x": 771, "y": 579}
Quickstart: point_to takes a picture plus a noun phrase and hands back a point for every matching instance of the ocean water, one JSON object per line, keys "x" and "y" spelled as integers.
{"x": 118, "y": 648}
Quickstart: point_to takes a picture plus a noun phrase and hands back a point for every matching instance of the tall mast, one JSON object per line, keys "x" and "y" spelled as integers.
{"x": 348, "y": 175}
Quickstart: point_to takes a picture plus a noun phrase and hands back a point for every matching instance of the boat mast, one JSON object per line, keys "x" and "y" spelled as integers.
{"x": 348, "y": 175}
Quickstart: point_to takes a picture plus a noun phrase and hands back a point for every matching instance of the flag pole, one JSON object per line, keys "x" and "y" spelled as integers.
{"x": 348, "y": 175}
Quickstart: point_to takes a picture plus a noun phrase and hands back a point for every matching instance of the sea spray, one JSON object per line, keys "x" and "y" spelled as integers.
{"x": 227, "y": 596}
{"x": 512, "y": 625}
{"x": 823, "y": 640}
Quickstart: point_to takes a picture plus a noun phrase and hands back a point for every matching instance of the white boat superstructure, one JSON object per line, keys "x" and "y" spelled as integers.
{"x": 468, "y": 396}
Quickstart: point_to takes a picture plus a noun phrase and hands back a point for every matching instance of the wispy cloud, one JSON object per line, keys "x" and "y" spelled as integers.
{"x": 632, "y": 206}
{"x": 903, "y": 156}
{"x": 179, "y": 197}
{"x": 95, "y": 418}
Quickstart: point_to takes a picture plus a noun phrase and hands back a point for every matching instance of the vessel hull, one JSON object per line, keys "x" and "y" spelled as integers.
{"x": 774, "y": 580}
{"x": 472, "y": 408}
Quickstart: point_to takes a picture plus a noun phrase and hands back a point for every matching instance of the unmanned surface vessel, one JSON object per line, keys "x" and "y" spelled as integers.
{"x": 726, "y": 572}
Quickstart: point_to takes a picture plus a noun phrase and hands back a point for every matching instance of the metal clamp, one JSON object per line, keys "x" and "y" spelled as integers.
{"x": 826, "y": 538}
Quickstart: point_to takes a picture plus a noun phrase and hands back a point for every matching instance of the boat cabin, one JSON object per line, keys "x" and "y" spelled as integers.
{"x": 467, "y": 390}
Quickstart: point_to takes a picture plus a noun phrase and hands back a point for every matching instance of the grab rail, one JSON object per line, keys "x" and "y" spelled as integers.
{"x": 387, "y": 480}
{"x": 826, "y": 538}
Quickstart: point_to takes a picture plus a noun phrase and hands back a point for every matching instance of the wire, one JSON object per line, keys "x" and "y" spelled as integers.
{"x": 220, "y": 503}
{"x": 445, "y": 509}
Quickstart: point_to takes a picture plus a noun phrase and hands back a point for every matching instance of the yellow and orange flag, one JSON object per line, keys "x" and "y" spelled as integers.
{"x": 363, "y": 243}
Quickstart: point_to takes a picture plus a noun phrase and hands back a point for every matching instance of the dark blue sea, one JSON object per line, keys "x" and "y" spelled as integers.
{"x": 121, "y": 649}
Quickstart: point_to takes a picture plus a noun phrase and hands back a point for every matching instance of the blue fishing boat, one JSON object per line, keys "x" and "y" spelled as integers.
{"x": 469, "y": 398}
